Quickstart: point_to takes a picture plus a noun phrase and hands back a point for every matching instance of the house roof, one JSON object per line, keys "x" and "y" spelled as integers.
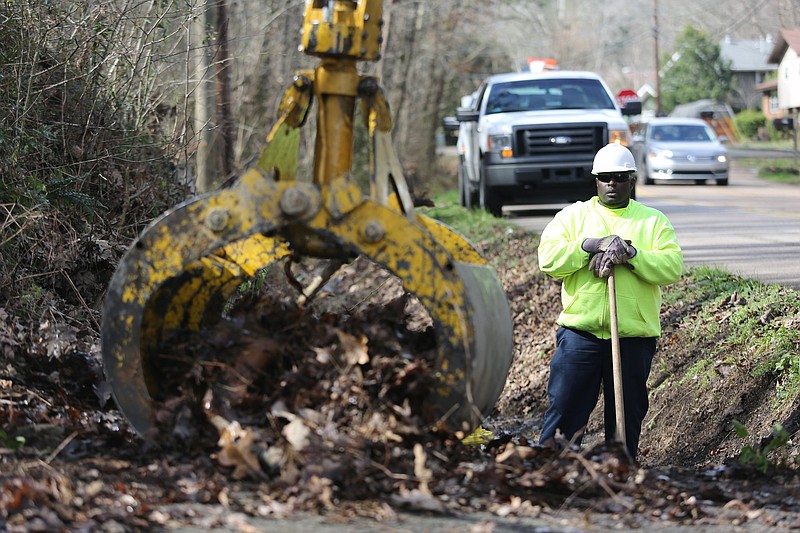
{"x": 748, "y": 55}
{"x": 787, "y": 38}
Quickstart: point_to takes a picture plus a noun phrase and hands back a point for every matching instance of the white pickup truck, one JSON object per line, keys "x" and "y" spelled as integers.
{"x": 530, "y": 138}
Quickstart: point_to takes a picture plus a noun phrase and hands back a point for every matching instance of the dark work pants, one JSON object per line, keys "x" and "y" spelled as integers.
{"x": 581, "y": 364}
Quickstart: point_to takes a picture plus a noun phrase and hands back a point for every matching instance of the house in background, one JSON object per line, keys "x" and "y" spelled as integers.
{"x": 751, "y": 65}
{"x": 769, "y": 100}
{"x": 785, "y": 53}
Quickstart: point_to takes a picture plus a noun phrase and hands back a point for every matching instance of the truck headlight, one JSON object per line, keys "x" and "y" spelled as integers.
{"x": 623, "y": 137}
{"x": 501, "y": 144}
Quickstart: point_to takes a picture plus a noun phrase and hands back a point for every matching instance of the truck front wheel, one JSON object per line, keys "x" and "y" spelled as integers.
{"x": 468, "y": 196}
{"x": 489, "y": 199}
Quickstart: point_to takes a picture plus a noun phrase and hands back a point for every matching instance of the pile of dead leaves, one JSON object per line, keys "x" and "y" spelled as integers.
{"x": 291, "y": 392}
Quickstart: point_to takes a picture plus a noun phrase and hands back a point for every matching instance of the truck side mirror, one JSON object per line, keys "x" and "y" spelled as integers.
{"x": 466, "y": 114}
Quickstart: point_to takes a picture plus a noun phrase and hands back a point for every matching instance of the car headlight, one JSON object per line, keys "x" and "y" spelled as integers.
{"x": 722, "y": 158}
{"x": 655, "y": 154}
{"x": 623, "y": 137}
{"x": 501, "y": 143}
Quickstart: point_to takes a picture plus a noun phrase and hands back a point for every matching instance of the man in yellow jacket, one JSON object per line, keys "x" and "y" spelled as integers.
{"x": 581, "y": 246}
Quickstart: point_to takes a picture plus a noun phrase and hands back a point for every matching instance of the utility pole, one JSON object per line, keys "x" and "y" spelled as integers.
{"x": 655, "y": 48}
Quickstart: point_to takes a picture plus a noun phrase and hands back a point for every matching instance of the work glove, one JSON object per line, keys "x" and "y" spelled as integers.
{"x": 601, "y": 265}
{"x": 618, "y": 250}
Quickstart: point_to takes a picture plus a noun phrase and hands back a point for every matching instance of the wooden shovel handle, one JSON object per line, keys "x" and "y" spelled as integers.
{"x": 616, "y": 360}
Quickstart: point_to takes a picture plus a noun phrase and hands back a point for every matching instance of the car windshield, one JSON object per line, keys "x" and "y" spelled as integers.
{"x": 545, "y": 94}
{"x": 682, "y": 133}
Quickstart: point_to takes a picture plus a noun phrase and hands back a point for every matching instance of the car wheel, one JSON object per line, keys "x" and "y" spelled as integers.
{"x": 722, "y": 181}
{"x": 489, "y": 199}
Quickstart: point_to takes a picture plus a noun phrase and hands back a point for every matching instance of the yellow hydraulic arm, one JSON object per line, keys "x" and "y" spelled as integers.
{"x": 182, "y": 269}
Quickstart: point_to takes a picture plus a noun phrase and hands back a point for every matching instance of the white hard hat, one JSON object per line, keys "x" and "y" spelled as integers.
{"x": 613, "y": 158}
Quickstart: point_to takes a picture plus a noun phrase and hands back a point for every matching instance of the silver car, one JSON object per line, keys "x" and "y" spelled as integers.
{"x": 679, "y": 149}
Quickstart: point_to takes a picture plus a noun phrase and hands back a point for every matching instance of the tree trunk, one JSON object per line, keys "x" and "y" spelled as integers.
{"x": 223, "y": 93}
{"x": 432, "y": 81}
{"x": 205, "y": 158}
{"x": 429, "y": 34}
{"x": 403, "y": 81}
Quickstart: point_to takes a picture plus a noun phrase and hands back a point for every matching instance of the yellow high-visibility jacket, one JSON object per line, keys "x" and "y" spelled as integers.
{"x": 658, "y": 261}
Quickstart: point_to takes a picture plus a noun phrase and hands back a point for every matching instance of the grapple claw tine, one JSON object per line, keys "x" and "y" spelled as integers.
{"x": 177, "y": 275}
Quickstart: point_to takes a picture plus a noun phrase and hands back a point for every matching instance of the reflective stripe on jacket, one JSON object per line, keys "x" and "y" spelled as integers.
{"x": 658, "y": 261}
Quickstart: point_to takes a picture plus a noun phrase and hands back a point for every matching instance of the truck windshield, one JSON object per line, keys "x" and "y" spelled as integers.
{"x": 546, "y": 94}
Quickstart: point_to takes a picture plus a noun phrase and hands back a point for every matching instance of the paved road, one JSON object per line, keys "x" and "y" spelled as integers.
{"x": 750, "y": 228}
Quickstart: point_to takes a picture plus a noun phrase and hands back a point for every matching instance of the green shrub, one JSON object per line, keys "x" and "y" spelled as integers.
{"x": 773, "y": 453}
{"x": 749, "y": 121}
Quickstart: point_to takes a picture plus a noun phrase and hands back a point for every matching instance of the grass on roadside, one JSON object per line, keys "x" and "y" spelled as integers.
{"x": 778, "y": 170}
{"x": 782, "y": 171}
{"x": 477, "y": 225}
{"x": 756, "y": 326}
{"x": 491, "y": 236}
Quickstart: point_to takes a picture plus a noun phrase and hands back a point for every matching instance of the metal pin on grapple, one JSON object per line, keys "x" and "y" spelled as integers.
{"x": 183, "y": 268}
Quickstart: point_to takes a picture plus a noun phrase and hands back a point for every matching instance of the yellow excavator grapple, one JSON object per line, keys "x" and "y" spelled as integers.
{"x": 184, "y": 267}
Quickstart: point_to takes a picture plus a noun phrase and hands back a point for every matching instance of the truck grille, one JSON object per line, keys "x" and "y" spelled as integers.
{"x": 566, "y": 140}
